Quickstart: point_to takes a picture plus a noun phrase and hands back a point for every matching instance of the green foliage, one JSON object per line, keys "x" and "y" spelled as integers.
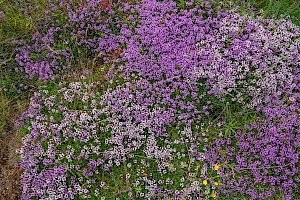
{"x": 273, "y": 8}
{"x": 15, "y": 28}
{"x": 16, "y": 25}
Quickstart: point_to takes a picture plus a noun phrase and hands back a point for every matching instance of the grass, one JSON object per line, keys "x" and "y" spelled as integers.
{"x": 17, "y": 26}
{"x": 14, "y": 25}
{"x": 275, "y": 9}
{"x": 278, "y": 9}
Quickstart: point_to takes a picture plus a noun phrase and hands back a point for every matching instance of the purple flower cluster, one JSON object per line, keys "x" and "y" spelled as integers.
{"x": 154, "y": 119}
{"x": 249, "y": 59}
{"x": 107, "y": 130}
{"x": 72, "y": 31}
{"x": 264, "y": 155}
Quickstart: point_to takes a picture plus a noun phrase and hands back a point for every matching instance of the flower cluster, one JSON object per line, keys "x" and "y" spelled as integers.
{"x": 73, "y": 30}
{"x": 248, "y": 59}
{"x": 97, "y": 133}
{"x": 266, "y": 153}
{"x": 177, "y": 73}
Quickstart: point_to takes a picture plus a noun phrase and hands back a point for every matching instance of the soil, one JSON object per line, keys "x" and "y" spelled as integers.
{"x": 10, "y": 176}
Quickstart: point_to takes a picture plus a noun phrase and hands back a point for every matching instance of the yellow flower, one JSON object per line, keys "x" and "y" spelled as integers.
{"x": 216, "y": 183}
{"x": 204, "y": 182}
{"x": 213, "y": 195}
{"x": 216, "y": 167}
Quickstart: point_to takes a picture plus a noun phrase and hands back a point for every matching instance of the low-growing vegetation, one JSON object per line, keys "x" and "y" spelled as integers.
{"x": 153, "y": 99}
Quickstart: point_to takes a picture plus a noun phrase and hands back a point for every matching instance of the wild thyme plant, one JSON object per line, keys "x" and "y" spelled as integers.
{"x": 202, "y": 102}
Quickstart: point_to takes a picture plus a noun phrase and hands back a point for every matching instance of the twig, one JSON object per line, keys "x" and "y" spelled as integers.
{"x": 52, "y": 49}
{"x": 271, "y": 167}
{"x": 39, "y": 32}
{"x": 5, "y": 61}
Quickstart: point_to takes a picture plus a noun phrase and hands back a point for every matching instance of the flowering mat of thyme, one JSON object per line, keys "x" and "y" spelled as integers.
{"x": 189, "y": 100}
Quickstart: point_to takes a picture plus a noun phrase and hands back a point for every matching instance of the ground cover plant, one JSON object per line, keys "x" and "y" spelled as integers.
{"x": 160, "y": 100}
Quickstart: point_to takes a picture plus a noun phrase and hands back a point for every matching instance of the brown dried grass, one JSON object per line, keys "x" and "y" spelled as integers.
{"x": 10, "y": 175}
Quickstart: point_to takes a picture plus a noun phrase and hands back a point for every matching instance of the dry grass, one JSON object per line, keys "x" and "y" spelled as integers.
{"x": 10, "y": 182}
